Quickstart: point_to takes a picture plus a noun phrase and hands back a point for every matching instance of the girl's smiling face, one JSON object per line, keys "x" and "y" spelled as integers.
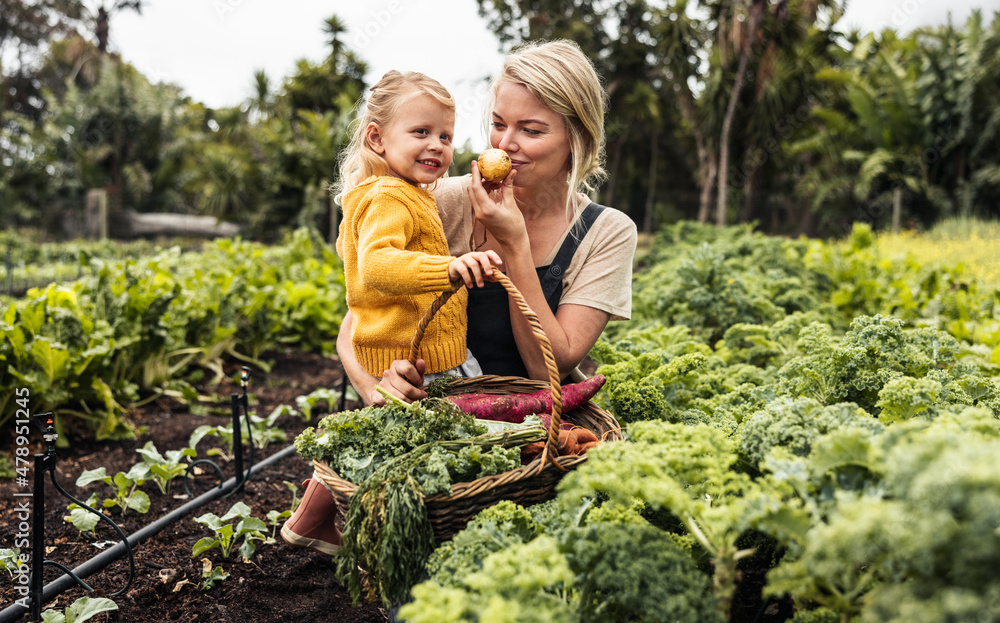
{"x": 533, "y": 135}
{"x": 417, "y": 144}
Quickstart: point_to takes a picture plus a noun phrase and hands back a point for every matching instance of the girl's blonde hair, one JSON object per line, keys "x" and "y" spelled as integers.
{"x": 359, "y": 161}
{"x": 563, "y": 79}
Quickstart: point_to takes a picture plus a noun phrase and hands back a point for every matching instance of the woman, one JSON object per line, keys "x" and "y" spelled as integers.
{"x": 570, "y": 259}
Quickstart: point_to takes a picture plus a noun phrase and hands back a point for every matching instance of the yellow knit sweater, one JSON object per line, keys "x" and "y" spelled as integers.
{"x": 395, "y": 264}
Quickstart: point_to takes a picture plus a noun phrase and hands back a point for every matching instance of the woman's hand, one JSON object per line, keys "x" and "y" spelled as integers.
{"x": 403, "y": 380}
{"x": 495, "y": 207}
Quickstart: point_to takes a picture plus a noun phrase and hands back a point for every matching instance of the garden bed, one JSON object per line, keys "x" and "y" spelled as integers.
{"x": 280, "y": 583}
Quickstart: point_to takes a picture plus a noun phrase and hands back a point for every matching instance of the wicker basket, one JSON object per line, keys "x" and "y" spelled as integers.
{"x": 526, "y": 485}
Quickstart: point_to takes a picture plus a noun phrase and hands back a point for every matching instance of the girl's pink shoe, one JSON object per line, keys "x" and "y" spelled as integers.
{"x": 312, "y": 524}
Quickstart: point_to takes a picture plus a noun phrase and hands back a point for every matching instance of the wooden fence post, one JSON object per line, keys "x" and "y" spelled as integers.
{"x": 96, "y": 214}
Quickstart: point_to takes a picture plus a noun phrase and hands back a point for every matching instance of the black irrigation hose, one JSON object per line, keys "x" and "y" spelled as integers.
{"x": 103, "y": 517}
{"x": 14, "y": 612}
{"x": 241, "y": 401}
{"x": 237, "y": 446}
{"x": 190, "y": 466}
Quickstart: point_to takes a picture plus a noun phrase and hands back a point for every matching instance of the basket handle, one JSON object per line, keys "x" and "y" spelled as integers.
{"x": 552, "y": 444}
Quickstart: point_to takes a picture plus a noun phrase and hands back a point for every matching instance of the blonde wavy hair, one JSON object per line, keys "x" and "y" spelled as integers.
{"x": 564, "y": 80}
{"x": 359, "y": 161}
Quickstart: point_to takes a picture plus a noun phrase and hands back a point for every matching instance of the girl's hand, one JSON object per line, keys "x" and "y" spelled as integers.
{"x": 474, "y": 267}
{"x": 403, "y": 380}
{"x": 494, "y": 206}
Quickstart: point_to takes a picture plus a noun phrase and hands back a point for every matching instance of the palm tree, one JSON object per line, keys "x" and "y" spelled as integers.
{"x": 784, "y": 87}
{"x": 958, "y": 87}
{"x": 681, "y": 41}
{"x": 616, "y": 36}
{"x": 634, "y": 101}
{"x": 743, "y": 44}
{"x": 876, "y": 129}
{"x": 102, "y": 19}
{"x": 334, "y": 27}
{"x": 260, "y": 106}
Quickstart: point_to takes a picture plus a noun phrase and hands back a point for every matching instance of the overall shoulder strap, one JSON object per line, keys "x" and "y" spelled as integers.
{"x": 577, "y": 234}
{"x": 551, "y": 278}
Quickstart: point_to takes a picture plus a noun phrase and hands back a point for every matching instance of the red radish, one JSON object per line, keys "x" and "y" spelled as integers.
{"x": 515, "y": 407}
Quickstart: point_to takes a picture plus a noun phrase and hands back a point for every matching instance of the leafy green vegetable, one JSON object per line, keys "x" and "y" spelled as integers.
{"x": 125, "y": 486}
{"x": 135, "y": 329}
{"x": 11, "y": 559}
{"x": 82, "y": 519}
{"x": 388, "y": 532}
{"x": 624, "y": 569}
{"x": 688, "y": 471}
{"x": 83, "y": 609}
{"x": 921, "y": 542}
{"x": 635, "y": 572}
{"x": 796, "y": 423}
{"x": 226, "y": 534}
{"x": 526, "y": 582}
{"x": 355, "y": 443}
{"x": 497, "y": 527}
{"x": 163, "y": 469}
{"x": 210, "y": 575}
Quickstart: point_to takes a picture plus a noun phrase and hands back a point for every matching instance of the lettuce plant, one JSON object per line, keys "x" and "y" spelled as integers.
{"x": 227, "y": 534}
{"x": 125, "y": 486}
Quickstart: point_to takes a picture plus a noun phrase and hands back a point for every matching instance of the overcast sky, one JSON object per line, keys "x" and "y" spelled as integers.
{"x": 211, "y": 48}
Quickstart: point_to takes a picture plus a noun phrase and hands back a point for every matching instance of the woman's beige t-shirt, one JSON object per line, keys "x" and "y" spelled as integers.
{"x": 600, "y": 274}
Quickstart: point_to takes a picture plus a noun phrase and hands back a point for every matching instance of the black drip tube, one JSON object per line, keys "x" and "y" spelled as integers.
{"x": 14, "y": 612}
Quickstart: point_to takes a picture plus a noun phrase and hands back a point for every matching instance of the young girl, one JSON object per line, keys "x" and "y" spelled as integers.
{"x": 396, "y": 259}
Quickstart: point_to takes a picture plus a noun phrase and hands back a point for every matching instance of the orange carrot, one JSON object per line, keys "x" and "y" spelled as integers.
{"x": 568, "y": 443}
{"x": 584, "y": 435}
{"x": 531, "y": 451}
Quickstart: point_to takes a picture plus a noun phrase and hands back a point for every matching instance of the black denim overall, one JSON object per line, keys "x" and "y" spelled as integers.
{"x": 490, "y": 336}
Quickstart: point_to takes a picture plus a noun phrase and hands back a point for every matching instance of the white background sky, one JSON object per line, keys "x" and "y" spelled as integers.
{"x": 211, "y": 48}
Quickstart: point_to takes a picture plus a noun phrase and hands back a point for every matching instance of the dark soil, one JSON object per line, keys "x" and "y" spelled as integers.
{"x": 279, "y": 583}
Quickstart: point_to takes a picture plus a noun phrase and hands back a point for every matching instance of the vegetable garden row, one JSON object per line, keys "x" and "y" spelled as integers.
{"x": 810, "y": 428}
{"x": 133, "y": 330}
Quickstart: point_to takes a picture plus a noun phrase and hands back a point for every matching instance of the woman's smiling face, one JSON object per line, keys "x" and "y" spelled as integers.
{"x": 533, "y": 135}
{"x": 417, "y": 144}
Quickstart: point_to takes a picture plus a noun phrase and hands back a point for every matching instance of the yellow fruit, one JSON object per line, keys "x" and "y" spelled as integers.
{"x": 494, "y": 165}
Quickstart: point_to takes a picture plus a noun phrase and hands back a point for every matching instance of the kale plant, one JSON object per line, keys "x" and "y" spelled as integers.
{"x": 635, "y": 572}
{"x": 355, "y": 443}
{"x": 922, "y": 545}
{"x": 388, "y": 532}
{"x": 796, "y": 423}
